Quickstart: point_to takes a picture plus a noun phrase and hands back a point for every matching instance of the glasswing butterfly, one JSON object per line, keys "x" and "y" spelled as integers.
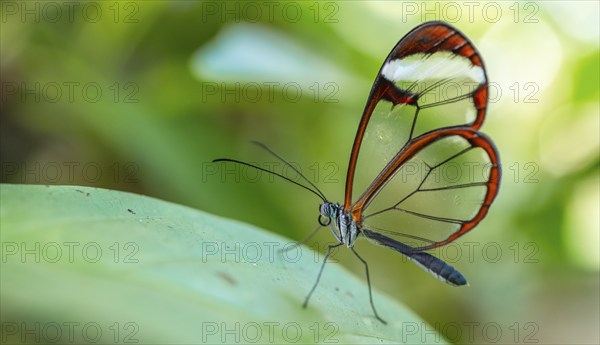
{"x": 430, "y": 174}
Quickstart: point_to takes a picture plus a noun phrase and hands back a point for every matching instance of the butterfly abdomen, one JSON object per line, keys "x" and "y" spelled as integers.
{"x": 438, "y": 268}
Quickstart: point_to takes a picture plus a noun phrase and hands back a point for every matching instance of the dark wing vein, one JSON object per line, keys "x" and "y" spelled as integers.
{"x": 426, "y": 216}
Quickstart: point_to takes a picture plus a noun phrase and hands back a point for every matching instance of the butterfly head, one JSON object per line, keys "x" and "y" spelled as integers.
{"x": 327, "y": 212}
{"x": 344, "y": 228}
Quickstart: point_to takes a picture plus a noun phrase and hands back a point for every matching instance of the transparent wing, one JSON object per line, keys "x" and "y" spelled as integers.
{"x": 421, "y": 121}
{"x": 433, "y": 78}
{"x": 435, "y": 190}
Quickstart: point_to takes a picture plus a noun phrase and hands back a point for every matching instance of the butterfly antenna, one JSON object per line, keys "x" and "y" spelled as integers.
{"x": 264, "y": 147}
{"x": 319, "y": 194}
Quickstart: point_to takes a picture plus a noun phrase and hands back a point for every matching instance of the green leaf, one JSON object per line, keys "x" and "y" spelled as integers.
{"x": 84, "y": 264}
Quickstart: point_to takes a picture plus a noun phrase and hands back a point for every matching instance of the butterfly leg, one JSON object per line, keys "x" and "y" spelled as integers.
{"x": 369, "y": 284}
{"x": 329, "y": 248}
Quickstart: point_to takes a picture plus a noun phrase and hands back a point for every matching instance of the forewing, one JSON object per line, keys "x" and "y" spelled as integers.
{"x": 433, "y": 78}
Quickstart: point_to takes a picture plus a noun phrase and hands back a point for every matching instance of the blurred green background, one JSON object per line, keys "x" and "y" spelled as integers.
{"x": 142, "y": 96}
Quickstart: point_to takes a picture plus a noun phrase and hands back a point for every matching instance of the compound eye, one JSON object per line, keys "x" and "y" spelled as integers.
{"x": 324, "y": 221}
{"x": 322, "y": 209}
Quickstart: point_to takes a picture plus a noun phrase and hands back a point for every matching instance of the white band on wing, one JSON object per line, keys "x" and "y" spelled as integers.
{"x": 441, "y": 65}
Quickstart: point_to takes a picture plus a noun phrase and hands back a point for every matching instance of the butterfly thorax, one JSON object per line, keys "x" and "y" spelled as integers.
{"x": 341, "y": 223}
